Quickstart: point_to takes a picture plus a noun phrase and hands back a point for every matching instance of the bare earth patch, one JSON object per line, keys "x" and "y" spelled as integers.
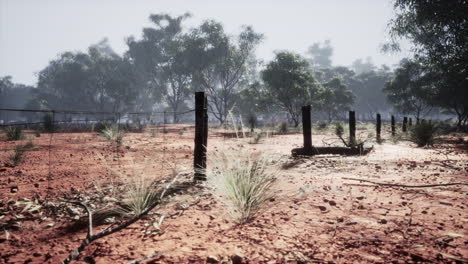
{"x": 319, "y": 216}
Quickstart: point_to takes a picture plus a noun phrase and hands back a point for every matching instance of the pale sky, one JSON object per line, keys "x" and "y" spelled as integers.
{"x": 33, "y": 32}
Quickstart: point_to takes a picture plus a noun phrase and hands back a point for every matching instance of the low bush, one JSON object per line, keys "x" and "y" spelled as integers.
{"x": 283, "y": 127}
{"x": 424, "y": 133}
{"x": 18, "y": 153}
{"x": 48, "y": 123}
{"x": 14, "y": 133}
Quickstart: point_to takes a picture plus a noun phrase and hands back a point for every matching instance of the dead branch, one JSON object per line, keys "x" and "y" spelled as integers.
{"x": 88, "y": 211}
{"x": 407, "y": 186}
{"x": 90, "y": 238}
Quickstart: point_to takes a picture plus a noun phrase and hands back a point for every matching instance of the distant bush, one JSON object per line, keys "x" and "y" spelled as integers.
{"x": 423, "y": 134}
{"x": 14, "y": 133}
{"x": 322, "y": 125}
{"x": 48, "y": 123}
{"x": 283, "y": 127}
{"x": 252, "y": 121}
{"x": 339, "y": 130}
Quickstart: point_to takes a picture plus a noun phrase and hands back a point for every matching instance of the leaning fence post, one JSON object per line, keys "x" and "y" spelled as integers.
{"x": 352, "y": 128}
{"x": 307, "y": 128}
{"x": 393, "y": 126}
{"x": 378, "y": 127}
{"x": 405, "y": 124}
{"x": 199, "y": 155}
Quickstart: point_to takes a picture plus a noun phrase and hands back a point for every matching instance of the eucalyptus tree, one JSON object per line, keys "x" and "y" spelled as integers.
{"x": 438, "y": 31}
{"x": 290, "y": 84}
{"x": 409, "y": 91}
{"x": 220, "y": 63}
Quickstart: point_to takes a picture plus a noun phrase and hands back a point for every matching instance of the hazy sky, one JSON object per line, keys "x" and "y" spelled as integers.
{"x": 33, "y": 32}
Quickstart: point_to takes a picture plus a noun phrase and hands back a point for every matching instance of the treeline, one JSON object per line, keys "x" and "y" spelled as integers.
{"x": 161, "y": 70}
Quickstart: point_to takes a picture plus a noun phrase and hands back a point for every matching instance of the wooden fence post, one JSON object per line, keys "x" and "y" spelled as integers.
{"x": 393, "y": 126}
{"x": 378, "y": 127}
{"x": 199, "y": 155}
{"x": 307, "y": 128}
{"x": 405, "y": 124}
{"x": 410, "y": 123}
{"x": 352, "y": 128}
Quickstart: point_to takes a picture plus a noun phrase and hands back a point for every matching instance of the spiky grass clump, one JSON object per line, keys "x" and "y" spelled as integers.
{"x": 14, "y": 133}
{"x": 113, "y": 133}
{"x": 18, "y": 153}
{"x": 141, "y": 193}
{"x": 423, "y": 134}
{"x": 244, "y": 181}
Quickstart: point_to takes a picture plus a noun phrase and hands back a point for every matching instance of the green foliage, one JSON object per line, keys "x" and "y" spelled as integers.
{"x": 424, "y": 133}
{"x": 245, "y": 182}
{"x": 322, "y": 125}
{"x": 101, "y": 125}
{"x": 336, "y": 98}
{"x": 437, "y": 30}
{"x": 256, "y": 136}
{"x": 320, "y": 55}
{"x": 14, "y": 133}
{"x": 409, "y": 91}
{"x": 289, "y": 83}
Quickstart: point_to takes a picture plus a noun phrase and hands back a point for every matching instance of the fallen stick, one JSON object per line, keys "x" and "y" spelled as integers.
{"x": 90, "y": 237}
{"x": 407, "y": 186}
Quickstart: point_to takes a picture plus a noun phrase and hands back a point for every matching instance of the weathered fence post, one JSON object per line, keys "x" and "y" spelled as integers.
{"x": 307, "y": 128}
{"x": 405, "y": 124}
{"x": 352, "y": 128}
{"x": 378, "y": 127}
{"x": 393, "y": 126}
{"x": 410, "y": 123}
{"x": 201, "y": 132}
{"x": 205, "y": 130}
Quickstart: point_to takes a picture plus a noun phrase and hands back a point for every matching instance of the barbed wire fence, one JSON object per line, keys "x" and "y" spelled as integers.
{"x": 63, "y": 133}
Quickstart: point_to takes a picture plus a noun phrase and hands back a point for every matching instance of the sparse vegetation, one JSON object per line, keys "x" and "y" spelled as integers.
{"x": 283, "y": 127}
{"x": 14, "y": 133}
{"x": 18, "y": 153}
{"x": 140, "y": 193}
{"x": 48, "y": 123}
{"x": 113, "y": 133}
{"x": 423, "y": 134}
{"x": 245, "y": 181}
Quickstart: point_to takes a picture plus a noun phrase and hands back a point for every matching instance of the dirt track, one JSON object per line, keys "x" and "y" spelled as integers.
{"x": 318, "y": 216}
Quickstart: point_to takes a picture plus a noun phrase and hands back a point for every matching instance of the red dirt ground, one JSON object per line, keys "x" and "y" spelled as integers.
{"x": 317, "y": 217}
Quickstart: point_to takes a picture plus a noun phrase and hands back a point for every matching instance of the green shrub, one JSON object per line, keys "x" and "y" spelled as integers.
{"x": 423, "y": 134}
{"x": 14, "y": 133}
{"x": 245, "y": 182}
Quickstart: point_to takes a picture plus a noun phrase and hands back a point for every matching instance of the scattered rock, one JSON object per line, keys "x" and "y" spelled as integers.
{"x": 236, "y": 259}
{"x": 14, "y": 189}
{"x": 383, "y": 221}
{"x": 332, "y": 203}
{"x": 322, "y": 208}
{"x": 212, "y": 259}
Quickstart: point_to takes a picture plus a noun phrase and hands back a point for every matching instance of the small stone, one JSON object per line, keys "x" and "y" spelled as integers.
{"x": 383, "y": 221}
{"x": 360, "y": 197}
{"x": 236, "y": 259}
{"x": 36, "y": 185}
{"x": 332, "y": 203}
{"x": 340, "y": 220}
{"x": 322, "y": 208}
{"x": 212, "y": 259}
{"x": 14, "y": 189}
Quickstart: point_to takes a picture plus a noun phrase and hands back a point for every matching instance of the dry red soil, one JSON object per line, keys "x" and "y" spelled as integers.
{"x": 318, "y": 215}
